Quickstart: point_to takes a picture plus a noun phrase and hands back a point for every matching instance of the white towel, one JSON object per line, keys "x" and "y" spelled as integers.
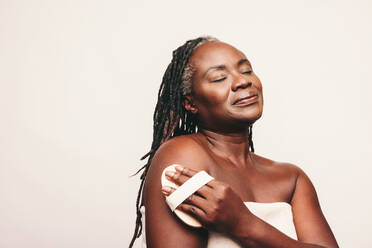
{"x": 277, "y": 214}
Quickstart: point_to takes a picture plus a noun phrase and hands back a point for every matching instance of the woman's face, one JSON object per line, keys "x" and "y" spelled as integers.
{"x": 226, "y": 93}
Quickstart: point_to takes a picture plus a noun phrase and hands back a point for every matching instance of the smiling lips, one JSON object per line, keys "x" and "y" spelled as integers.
{"x": 246, "y": 100}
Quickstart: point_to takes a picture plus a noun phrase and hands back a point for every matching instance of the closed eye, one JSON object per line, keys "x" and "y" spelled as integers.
{"x": 219, "y": 80}
{"x": 247, "y": 72}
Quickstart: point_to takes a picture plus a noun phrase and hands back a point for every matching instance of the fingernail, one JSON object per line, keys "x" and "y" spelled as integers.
{"x": 169, "y": 173}
{"x": 179, "y": 168}
{"x": 166, "y": 190}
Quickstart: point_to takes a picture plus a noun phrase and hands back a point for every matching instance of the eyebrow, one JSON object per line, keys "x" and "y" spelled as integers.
{"x": 222, "y": 67}
{"x": 242, "y": 61}
{"x": 219, "y": 67}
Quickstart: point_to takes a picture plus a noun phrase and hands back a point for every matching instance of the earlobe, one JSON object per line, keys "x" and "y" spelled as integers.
{"x": 189, "y": 106}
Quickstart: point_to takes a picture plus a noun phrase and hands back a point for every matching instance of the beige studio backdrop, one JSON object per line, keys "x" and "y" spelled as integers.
{"x": 78, "y": 86}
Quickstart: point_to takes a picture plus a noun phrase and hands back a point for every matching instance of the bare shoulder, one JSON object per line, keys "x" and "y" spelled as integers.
{"x": 282, "y": 168}
{"x": 185, "y": 150}
{"x": 282, "y": 175}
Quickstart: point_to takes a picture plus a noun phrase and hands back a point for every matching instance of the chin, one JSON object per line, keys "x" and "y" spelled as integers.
{"x": 251, "y": 116}
{"x": 251, "y": 121}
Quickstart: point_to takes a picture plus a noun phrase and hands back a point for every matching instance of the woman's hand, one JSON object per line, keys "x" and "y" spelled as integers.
{"x": 215, "y": 204}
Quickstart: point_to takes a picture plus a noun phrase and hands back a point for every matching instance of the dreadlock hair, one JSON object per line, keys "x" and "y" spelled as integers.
{"x": 170, "y": 117}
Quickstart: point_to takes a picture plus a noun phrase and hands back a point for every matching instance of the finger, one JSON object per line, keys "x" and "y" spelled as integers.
{"x": 176, "y": 177}
{"x": 205, "y": 191}
{"x": 196, "y": 200}
{"x": 166, "y": 190}
{"x": 185, "y": 171}
{"x": 193, "y": 200}
{"x": 193, "y": 211}
{"x": 180, "y": 179}
{"x": 214, "y": 184}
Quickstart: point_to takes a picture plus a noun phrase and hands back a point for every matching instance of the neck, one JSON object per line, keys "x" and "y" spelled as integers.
{"x": 232, "y": 146}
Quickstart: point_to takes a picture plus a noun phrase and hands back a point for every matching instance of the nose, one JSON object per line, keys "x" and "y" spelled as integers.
{"x": 241, "y": 82}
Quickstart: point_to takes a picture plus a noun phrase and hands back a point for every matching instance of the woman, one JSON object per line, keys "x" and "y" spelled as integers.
{"x": 208, "y": 101}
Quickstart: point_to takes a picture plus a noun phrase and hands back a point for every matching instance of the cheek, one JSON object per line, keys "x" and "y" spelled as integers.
{"x": 213, "y": 94}
{"x": 259, "y": 84}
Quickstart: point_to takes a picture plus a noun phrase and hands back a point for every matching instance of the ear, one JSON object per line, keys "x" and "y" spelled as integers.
{"x": 189, "y": 105}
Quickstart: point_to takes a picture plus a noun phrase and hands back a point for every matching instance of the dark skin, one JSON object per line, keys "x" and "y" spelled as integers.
{"x": 223, "y": 75}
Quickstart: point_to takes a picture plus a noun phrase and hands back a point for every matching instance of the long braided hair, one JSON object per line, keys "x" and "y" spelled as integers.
{"x": 170, "y": 117}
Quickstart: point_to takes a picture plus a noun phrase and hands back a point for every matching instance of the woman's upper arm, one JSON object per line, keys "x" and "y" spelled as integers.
{"x": 311, "y": 225}
{"x": 163, "y": 228}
